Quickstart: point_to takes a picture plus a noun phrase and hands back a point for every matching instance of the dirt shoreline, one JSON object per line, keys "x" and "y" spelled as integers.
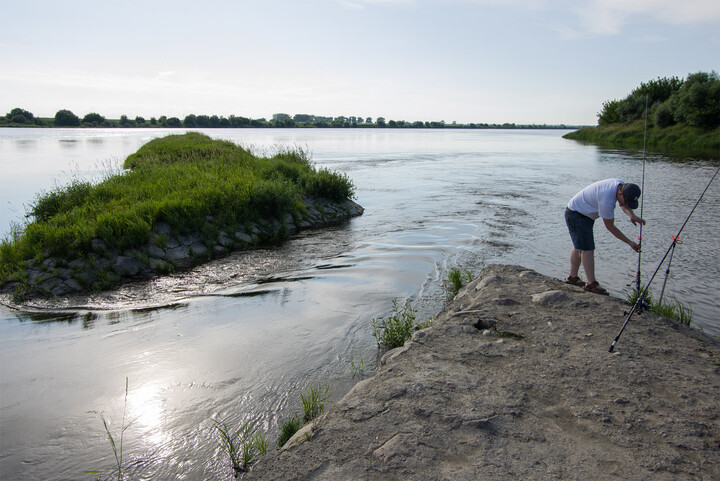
{"x": 514, "y": 380}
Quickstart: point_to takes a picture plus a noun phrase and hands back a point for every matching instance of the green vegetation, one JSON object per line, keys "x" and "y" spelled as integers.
{"x": 313, "y": 401}
{"x": 681, "y": 114}
{"x": 117, "y": 447}
{"x": 358, "y": 367}
{"x": 676, "y": 138}
{"x": 393, "y": 331}
{"x": 288, "y": 430}
{"x": 674, "y": 310}
{"x": 455, "y": 281}
{"x": 180, "y": 179}
{"x": 241, "y": 446}
{"x": 22, "y": 118}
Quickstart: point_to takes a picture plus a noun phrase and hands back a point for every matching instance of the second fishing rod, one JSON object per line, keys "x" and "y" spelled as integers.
{"x": 640, "y": 302}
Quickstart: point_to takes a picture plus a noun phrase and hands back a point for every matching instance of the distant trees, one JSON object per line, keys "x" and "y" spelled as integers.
{"x": 20, "y": 116}
{"x": 694, "y": 102}
{"x": 65, "y": 118}
{"x": 93, "y": 119}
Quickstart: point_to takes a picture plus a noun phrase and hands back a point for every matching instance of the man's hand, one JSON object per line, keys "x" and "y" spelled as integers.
{"x": 635, "y": 219}
{"x": 635, "y": 246}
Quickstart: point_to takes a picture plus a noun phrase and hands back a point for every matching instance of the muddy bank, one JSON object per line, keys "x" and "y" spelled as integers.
{"x": 514, "y": 379}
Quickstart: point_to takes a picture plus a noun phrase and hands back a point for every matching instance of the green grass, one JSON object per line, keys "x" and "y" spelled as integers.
{"x": 674, "y": 310}
{"x": 313, "y": 401}
{"x": 358, "y": 367}
{"x": 393, "y": 331}
{"x": 178, "y": 179}
{"x": 241, "y": 446}
{"x": 116, "y": 445}
{"x": 675, "y": 138}
{"x": 456, "y": 279}
{"x": 288, "y": 430}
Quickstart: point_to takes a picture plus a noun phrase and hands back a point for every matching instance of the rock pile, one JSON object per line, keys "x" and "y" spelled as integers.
{"x": 106, "y": 267}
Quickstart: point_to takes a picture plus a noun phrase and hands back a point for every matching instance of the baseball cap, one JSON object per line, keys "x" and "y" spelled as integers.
{"x": 631, "y": 192}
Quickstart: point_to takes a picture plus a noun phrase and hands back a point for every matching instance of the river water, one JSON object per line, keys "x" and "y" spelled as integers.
{"x": 239, "y": 339}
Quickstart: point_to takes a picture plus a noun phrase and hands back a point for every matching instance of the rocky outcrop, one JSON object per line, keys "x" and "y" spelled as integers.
{"x": 105, "y": 267}
{"x": 514, "y": 380}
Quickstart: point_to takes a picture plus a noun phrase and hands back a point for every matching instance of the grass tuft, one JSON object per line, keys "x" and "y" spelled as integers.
{"x": 288, "y": 430}
{"x": 456, "y": 279}
{"x": 674, "y": 310}
{"x": 313, "y": 401}
{"x": 393, "y": 331}
{"x": 241, "y": 446}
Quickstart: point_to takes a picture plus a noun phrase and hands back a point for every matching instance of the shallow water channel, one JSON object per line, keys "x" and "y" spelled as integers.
{"x": 240, "y": 338}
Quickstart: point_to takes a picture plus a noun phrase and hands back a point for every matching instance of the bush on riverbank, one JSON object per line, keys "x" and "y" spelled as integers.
{"x": 680, "y": 115}
{"x": 179, "y": 180}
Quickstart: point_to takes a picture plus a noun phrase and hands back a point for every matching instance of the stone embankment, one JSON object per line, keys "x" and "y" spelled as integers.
{"x": 514, "y": 380}
{"x": 167, "y": 251}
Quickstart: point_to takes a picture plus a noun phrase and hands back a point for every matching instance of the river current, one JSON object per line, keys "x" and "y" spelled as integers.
{"x": 240, "y": 338}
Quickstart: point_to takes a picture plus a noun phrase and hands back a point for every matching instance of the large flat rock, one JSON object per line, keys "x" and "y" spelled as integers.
{"x": 514, "y": 381}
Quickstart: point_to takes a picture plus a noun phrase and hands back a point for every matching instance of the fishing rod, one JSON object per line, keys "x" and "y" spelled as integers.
{"x": 676, "y": 241}
{"x": 641, "y": 298}
{"x": 642, "y": 202}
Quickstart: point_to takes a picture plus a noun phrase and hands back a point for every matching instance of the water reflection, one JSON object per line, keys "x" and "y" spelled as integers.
{"x": 89, "y": 319}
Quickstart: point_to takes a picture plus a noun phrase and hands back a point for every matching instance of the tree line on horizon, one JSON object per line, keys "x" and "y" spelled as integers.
{"x": 693, "y": 102}
{"x": 19, "y": 117}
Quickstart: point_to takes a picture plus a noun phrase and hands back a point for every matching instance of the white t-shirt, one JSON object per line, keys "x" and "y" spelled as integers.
{"x": 597, "y": 200}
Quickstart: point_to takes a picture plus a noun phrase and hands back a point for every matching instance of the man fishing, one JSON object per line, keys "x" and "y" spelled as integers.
{"x": 597, "y": 200}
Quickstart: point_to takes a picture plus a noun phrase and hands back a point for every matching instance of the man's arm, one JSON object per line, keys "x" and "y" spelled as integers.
{"x": 610, "y": 224}
{"x": 633, "y": 218}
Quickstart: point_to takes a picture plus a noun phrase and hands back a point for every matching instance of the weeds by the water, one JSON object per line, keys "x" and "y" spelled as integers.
{"x": 241, "y": 446}
{"x": 393, "y": 331}
{"x": 288, "y": 430}
{"x": 117, "y": 446}
{"x": 456, "y": 279}
{"x": 674, "y": 310}
{"x": 358, "y": 367}
{"x": 313, "y": 401}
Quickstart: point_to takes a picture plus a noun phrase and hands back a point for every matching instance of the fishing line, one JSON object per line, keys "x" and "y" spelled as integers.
{"x": 641, "y": 298}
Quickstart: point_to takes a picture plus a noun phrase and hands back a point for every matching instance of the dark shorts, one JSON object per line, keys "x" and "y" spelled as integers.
{"x": 581, "y": 230}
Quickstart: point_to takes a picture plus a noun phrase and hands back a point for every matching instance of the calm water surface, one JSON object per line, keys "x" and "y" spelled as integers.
{"x": 240, "y": 338}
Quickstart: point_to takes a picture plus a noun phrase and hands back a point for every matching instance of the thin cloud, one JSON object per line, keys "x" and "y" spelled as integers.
{"x": 610, "y": 17}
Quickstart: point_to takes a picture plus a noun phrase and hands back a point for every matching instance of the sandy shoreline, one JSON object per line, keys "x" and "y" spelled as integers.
{"x": 514, "y": 379}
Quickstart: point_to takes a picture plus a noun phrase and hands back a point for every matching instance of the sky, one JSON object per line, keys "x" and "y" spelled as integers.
{"x": 484, "y": 61}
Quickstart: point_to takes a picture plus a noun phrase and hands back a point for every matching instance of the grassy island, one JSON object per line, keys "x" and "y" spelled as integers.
{"x": 679, "y": 114}
{"x": 183, "y": 199}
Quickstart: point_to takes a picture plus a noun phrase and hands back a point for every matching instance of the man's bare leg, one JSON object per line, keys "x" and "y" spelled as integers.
{"x": 575, "y": 261}
{"x": 588, "y": 263}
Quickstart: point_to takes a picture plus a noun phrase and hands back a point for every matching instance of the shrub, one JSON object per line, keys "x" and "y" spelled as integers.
{"x": 394, "y": 330}
{"x": 330, "y": 185}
